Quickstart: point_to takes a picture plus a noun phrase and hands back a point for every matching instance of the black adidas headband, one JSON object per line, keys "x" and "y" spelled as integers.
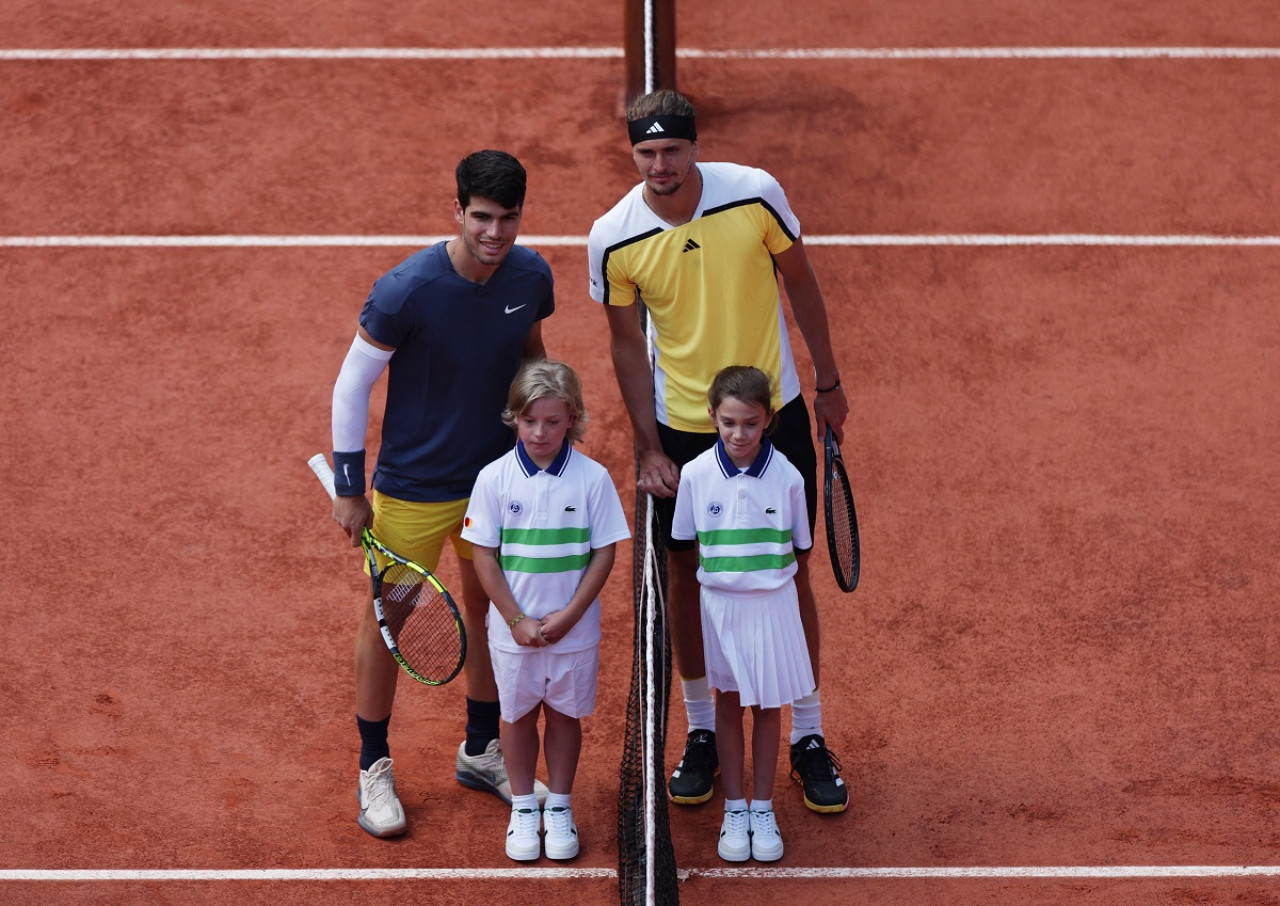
{"x": 648, "y": 128}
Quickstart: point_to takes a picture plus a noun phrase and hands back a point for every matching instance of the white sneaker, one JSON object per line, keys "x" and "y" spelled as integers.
{"x": 488, "y": 772}
{"x": 523, "y": 842}
{"x": 766, "y": 840}
{"x": 735, "y": 836}
{"x": 562, "y": 834}
{"x": 380, "y": 810}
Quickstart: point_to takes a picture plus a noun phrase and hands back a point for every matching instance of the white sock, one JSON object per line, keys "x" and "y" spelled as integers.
{"x": 556, "y": 800}
{"x": 762, "y": 805}
{"x": 806, "y": 717}
{"x": 735, "y": 805}
{"x": 530, "y": 802}
{"x": 699, "y": 706}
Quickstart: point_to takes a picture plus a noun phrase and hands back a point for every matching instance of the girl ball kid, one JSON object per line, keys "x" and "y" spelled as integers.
{"x": 743, "y": 503}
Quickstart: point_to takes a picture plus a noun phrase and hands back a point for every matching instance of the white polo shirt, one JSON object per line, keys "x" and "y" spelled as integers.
{"x": 748, "y": 523}
{"x": 545, "y": 523}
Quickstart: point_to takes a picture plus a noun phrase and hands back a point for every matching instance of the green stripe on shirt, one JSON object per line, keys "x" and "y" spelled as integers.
{"x": 745, "y": 536}
{"x": 545, "y": 564}
{"x": 569, "y": 535}
{"x": 749, "y": 564}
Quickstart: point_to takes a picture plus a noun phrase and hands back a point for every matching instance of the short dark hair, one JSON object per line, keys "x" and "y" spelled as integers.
{"x": 491, "y": 174}
{"x": 663, "y": 102}
{"x": 743, "y": 382}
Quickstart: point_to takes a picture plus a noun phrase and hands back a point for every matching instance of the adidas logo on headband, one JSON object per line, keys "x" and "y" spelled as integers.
{"x": 662, "y": 126}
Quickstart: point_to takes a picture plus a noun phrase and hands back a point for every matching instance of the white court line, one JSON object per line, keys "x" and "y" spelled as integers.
{"x": 307, "y": 874}
{"x": 939, "y": 239}
{"x": 688, "y": 53}
{"x": 1014, "y": 239}
{"x": 1031, "y": 872}
{"x": 314, "y": 53}
{"x": 990, "y": 53}
{"x": 995, "y": 872}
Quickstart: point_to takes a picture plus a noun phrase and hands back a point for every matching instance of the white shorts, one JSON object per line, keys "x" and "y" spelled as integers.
{"x": 754, "y": 645}
{"x": 566, "y": 681}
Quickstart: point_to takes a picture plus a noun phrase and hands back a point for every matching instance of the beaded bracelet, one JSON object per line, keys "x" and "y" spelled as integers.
{"x": 511, "y": 624}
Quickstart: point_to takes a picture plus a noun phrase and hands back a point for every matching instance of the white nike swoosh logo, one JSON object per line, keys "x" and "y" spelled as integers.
{"x": 509, "y": 309}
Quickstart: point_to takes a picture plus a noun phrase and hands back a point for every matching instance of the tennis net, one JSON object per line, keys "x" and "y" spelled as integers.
{"x": 646, "y": 859}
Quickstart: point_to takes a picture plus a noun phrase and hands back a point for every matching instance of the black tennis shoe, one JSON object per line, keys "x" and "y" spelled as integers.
{"x": 691, "y": 782}
{"x": 818, "y": 773}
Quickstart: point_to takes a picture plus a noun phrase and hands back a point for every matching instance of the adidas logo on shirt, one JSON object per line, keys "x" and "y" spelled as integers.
{"x": 690, "y": 246}
{"x": 655, "y": 129}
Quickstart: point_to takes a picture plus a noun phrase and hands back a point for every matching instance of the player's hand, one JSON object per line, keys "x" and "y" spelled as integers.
{"x": 659, "y": 476}
{"x": 555, "y": 626}
{"x": 527, "y": 633}
{"x": 354, "y": 514}
{"x": 830, "y": 408}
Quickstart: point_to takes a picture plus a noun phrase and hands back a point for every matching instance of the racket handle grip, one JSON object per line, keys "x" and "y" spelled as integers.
{"x": 320, "y": 466}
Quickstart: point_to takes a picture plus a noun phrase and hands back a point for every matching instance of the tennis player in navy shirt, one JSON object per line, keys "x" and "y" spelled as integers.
{"x": 451, "y": 326}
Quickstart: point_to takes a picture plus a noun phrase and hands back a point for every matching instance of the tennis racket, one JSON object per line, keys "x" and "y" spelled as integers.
{"x": 842, "y": 519}
{"x": 419, "y": 621}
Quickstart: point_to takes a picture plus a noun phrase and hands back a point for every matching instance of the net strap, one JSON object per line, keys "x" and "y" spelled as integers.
{"x": 651, "y": 603}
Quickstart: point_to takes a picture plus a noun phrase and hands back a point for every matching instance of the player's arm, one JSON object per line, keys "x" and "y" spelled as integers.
{"x": 557, "y": 624}
{"x": 832, "y": 407}
{"x": 494, "y": 581}
{"x": 364, "y": 364}
{"x": 630, "y": 351}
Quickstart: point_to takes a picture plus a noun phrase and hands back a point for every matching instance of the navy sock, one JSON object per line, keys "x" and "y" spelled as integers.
{"x": 482, "y": 725}
{"x": 373, "y": 741}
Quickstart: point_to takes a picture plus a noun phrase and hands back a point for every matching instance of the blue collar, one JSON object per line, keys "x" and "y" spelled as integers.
{"x": 531, "y": 468}
{"x": 757, "y": 467}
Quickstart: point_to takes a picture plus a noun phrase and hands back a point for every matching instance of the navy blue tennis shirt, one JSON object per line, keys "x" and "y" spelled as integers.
{"x": 458, "y": 345}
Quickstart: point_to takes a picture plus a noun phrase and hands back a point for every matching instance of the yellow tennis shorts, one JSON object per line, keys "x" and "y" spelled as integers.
{"x": 418, "y": 530}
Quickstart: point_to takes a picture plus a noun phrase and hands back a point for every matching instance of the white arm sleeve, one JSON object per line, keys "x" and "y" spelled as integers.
{"x": 361, "y": 369}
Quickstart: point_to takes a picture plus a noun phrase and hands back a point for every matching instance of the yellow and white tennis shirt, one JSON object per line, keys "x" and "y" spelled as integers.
{"x": 709, "y": 285}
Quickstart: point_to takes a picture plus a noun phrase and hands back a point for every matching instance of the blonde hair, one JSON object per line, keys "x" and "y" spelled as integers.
{"x": 543, "y": 378}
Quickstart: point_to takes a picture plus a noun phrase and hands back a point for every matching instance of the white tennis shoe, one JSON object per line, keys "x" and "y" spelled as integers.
{"x": 380, "y": 811}
{"x": 523, "y": 842}
{"x": 561, "y": 833}
{"x": 735, "y": 836}
{"x": 766, "y": 839}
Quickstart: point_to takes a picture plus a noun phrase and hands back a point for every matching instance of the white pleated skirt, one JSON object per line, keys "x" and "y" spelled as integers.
{"x": 754, "y": 645}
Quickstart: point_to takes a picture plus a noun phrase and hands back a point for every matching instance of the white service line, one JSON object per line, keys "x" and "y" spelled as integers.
{"x": 1115, "y": 872}
{"x": 688, "y": 53}
{"x": 990, "y": 53}
{"x": 312, "y": 53}
{"x": 1032, "y": 872}
{"x": 1017, "y": 239}
{"x": 307, "y": 874}
{"x": 887, "y": 239}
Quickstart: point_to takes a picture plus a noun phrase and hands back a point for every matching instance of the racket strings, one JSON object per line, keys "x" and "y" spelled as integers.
{"x": 841, "y": 508}
{"x": 423, "y": 624}
{"x": 842, "y": 527}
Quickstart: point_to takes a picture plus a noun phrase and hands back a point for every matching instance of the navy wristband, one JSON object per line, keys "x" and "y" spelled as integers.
{"x": 348, "y": 473}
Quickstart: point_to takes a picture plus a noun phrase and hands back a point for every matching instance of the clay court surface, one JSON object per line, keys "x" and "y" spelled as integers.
{"x": 1065, "y": 650}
